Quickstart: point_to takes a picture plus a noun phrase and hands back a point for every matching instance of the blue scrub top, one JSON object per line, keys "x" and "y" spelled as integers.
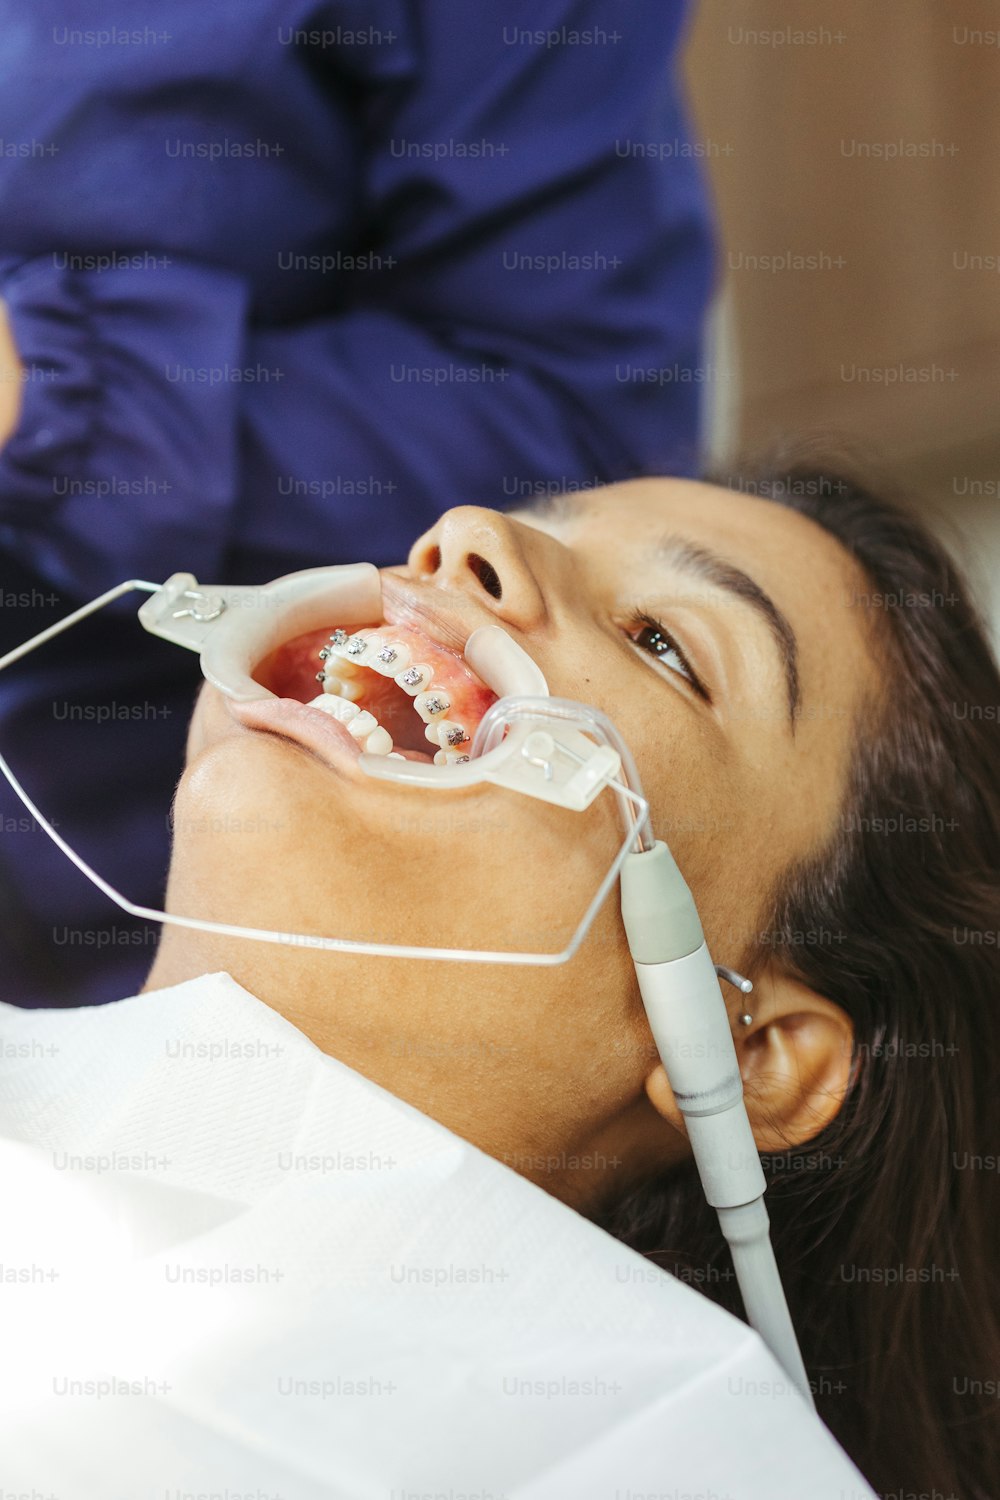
{"x": 288, "y": 279}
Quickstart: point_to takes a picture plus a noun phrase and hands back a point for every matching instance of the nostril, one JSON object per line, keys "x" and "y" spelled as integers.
{"x": 487, "y": 574}
{"x": 433, "y": 559}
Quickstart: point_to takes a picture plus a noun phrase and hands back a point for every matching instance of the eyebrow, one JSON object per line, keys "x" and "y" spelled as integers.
{"x": 699, "y": 562}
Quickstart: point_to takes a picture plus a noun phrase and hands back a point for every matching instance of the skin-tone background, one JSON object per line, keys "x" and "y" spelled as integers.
{"x": 541, "y": 1065}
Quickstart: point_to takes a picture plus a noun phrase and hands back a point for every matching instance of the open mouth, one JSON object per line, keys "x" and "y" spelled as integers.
{"x": 395, "y": 691}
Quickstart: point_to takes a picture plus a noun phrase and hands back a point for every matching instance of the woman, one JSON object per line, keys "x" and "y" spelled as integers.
{"x": 812, "y": 706}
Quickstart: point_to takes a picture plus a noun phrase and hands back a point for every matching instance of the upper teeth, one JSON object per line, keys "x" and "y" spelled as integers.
{"x": 450, "y": 735}
{"x": 415, "y": 679}
{"x": 389, "y": 658}
{"x": 343, "y": 686}
{"x": 362, "y": 647}
{"x": 392, "y": 659}
{"x": 431, "y": 706}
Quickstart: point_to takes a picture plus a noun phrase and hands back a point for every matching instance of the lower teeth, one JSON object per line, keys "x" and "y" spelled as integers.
{"x": 379, "y": 742}
{"x": 364, "y": 726}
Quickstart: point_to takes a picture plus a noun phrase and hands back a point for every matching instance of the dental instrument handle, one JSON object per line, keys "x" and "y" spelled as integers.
{"x": 747, "y": 1231}
{"x": 690, "y": 1024}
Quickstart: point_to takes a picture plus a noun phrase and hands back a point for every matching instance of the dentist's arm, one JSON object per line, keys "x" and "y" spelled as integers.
{"x": 533, "y": 320}
{"x": 10, "y": 379}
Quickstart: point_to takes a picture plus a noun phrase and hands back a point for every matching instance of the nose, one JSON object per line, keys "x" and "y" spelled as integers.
{"x": 487, "y": 555}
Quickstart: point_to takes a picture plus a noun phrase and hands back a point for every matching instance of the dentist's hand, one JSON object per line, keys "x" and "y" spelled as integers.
{"x": 11, "y": 375}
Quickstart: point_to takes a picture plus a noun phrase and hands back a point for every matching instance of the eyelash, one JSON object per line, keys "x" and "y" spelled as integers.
{"x": 641, "y": 622}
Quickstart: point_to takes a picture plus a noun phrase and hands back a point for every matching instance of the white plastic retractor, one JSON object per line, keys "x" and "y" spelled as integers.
{"x": 554, "y": 763}
{"x": 234, "y": 627}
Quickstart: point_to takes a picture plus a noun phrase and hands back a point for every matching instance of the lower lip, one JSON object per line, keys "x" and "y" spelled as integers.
{"x": 326, "y": 737}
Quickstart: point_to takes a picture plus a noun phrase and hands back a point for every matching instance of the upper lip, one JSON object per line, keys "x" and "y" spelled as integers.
{"x": 420, "y": 608}
{"x": 403, "y": 604}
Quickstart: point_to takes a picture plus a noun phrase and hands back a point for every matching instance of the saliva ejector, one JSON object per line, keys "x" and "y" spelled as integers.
{"x": 564, "y": 753}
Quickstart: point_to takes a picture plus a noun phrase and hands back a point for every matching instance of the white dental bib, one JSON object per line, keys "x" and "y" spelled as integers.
{"x": 232, "y": 1266}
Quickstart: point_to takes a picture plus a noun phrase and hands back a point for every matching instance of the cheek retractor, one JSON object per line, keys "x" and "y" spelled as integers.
{"x": 233, "y": 628}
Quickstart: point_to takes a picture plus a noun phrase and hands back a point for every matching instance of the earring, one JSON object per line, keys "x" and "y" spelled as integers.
{"x": 740, "y": 983}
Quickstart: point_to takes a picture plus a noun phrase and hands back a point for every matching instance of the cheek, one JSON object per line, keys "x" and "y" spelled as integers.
{"x": 715, "y": 813}
{"x": 205, "y": 725}
{"x": 241, "y": 837}
{"x": 263, "y": 839}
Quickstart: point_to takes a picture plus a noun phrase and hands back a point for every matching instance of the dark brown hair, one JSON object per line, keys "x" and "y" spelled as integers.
{"x": 887, "y": 1225}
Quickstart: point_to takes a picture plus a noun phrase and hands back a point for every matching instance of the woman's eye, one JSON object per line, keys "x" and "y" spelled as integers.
{"x": 652, "y": 637}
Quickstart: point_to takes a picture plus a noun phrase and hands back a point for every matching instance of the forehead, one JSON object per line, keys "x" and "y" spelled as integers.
{"x": 755, "y": 533}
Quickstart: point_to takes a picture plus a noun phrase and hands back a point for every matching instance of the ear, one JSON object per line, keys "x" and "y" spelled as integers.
{"x": 795, "y": 1059}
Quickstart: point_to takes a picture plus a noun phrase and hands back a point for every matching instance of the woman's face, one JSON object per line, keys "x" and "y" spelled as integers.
{"x": 740, "y": 709}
